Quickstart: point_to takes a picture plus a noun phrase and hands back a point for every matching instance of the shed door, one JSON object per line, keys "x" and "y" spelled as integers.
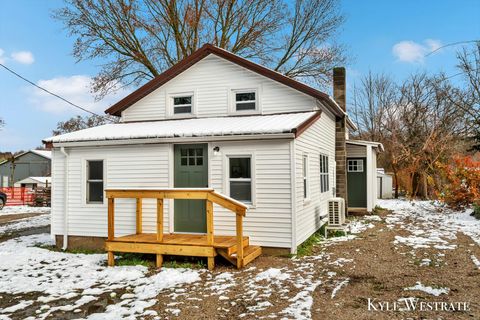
{"x": 190, "y": 171}
{"x": 357, "y": 182}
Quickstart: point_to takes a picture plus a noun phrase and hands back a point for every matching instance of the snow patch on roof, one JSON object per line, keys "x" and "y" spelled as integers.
{"x": 43, "y": 153}
{"x": 199, "y": 127}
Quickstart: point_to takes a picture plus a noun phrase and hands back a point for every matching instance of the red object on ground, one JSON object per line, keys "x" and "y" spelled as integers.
{"x": 17, "y": 196}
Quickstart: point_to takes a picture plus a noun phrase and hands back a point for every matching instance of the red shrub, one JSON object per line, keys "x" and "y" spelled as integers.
{"x": 461, "y": 182}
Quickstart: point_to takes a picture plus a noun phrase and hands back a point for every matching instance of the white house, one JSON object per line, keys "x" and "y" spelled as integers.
{"x": 213, "y": 120}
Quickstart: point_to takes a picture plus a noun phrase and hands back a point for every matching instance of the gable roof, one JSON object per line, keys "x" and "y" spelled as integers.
{"x": 290, "y": 123}
{"x": 47, "y": 154}
{"x": 43, "y": 153}
{"x": 206, "y": 50}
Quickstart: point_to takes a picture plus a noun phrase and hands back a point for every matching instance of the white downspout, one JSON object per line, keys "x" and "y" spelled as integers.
{"x": 293, "y": 249}
{"x": 65, "y": 207}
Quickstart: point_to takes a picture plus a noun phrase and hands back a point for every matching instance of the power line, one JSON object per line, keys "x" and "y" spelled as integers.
{"x": 450, "y": 45}
{"x": 51, "y": 93}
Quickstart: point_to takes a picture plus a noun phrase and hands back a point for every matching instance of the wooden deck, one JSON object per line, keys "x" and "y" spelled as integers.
{"x": 236, "y": 249}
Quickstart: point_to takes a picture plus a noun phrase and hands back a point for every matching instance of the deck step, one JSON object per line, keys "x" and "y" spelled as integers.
{"x": 233, "y": 249}
{"x": 249, "y": 254}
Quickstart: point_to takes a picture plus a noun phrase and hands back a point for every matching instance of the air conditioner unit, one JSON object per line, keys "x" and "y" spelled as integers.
{"x": 336, "y": 212}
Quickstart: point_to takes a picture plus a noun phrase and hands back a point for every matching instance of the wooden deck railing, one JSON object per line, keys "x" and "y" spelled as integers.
{"x": 207, "y": 194}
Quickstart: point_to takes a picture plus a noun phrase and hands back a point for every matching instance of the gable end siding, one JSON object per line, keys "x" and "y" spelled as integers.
{"x": 212, "y": 80}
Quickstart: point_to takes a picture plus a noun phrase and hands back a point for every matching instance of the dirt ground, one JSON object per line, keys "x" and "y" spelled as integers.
{"x": 370, "y": 266}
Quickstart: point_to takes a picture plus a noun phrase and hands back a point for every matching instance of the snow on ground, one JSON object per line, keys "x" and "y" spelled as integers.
{"x": 430, "y": 290}
{"x": 23, "y": 209}
{"x": 433, "y": 224}
{"x": 25, "y": 268}
{"x": 33, "y": 222}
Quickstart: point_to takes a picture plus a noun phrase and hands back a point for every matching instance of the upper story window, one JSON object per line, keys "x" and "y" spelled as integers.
{"x": 182, "y": 104}
{"x": 245, "y": 101}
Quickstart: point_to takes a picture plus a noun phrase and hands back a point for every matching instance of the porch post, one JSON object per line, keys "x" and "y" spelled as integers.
{"x": 210, "y": 238}
{"x": 139, "y": 215}
{"x": 111, "y": 229}
{"x": 239, "y": 222}
{"x": 159, "y": 261}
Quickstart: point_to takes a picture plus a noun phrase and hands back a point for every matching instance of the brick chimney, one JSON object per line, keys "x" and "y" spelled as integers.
{"x": 339, "y": 94}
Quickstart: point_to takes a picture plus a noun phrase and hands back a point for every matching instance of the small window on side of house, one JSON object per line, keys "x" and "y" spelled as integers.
{"x": 305, "y": 176}
{"x": 95, "y": 181}
{"x": 182, "y": 104}
{"x": 240, "y": 178}
{"x": 245, "y": 100}
{"x": 324, "y": 177}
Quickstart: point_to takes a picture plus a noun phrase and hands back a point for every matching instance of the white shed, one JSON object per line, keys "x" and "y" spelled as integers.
{"x": 34, "y": 182}
{"x": 384, "y": 184}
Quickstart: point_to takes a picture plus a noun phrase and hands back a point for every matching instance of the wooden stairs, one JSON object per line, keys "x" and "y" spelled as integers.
{"x": 249, "y": 253}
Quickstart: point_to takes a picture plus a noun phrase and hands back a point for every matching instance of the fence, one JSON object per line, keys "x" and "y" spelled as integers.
{"x": 21, "y": 196}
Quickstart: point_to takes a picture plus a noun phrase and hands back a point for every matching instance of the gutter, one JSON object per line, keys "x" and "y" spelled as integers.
{"x": 267, "y": 136}
{"x": 65, "y": 207}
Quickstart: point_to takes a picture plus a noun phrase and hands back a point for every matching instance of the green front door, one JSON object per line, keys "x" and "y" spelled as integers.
{"x": 357, "y": 182}
{"x": 190, "y": 171}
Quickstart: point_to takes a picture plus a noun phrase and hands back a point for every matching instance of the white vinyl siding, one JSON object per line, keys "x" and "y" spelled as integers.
{"x": 268, "y": 221}
{"x": 213, "y": 81}
{"x": 125, "y": 167}
{"x": 318, "y": 139}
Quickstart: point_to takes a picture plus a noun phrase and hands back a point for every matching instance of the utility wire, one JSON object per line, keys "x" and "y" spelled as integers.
{"x": 450, "y": 45}
{"x": 51, "y": 93}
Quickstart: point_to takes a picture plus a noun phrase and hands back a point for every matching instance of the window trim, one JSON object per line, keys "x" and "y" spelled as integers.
{"x": 86, "y": 183}
{"x": 252, "y": 179}
{"x": 358, "y": 161}
{"x": 171, "y": 105}
{"x": 233, "y": 101}
{"x": 324, "y": 173}
{"x": 305, "y": 177}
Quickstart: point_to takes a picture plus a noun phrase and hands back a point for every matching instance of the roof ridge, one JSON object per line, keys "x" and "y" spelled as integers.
{"x": 203, "y": 52}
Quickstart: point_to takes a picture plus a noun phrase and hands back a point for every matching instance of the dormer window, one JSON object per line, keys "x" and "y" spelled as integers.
{"x": 245, "y": 100}
{"x": 182, "y": 104}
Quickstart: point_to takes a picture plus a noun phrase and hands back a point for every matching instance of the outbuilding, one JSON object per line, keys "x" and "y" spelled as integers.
{"x": 362, "y": 174}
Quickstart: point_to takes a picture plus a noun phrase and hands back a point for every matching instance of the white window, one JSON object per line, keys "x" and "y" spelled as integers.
{"x": 240, "y": 178}
{"x": 245, "y": 100}
{"x": 305, "y": 176}
{"x": 355, "y": 165}
{"x": 182, "y": 104}
{"x": 95, "y": 181}
{"x": 324, "y": 177}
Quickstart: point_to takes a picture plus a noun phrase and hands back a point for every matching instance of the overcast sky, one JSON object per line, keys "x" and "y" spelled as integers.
{"x": 382, "y": 36}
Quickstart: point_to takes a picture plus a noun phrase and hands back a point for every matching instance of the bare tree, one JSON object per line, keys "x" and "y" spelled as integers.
{"x": 78, "y": 123}
{"x": 419, "y": 122}
{"x": 139, "y": 39}
{"x": 469, "y": 64}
